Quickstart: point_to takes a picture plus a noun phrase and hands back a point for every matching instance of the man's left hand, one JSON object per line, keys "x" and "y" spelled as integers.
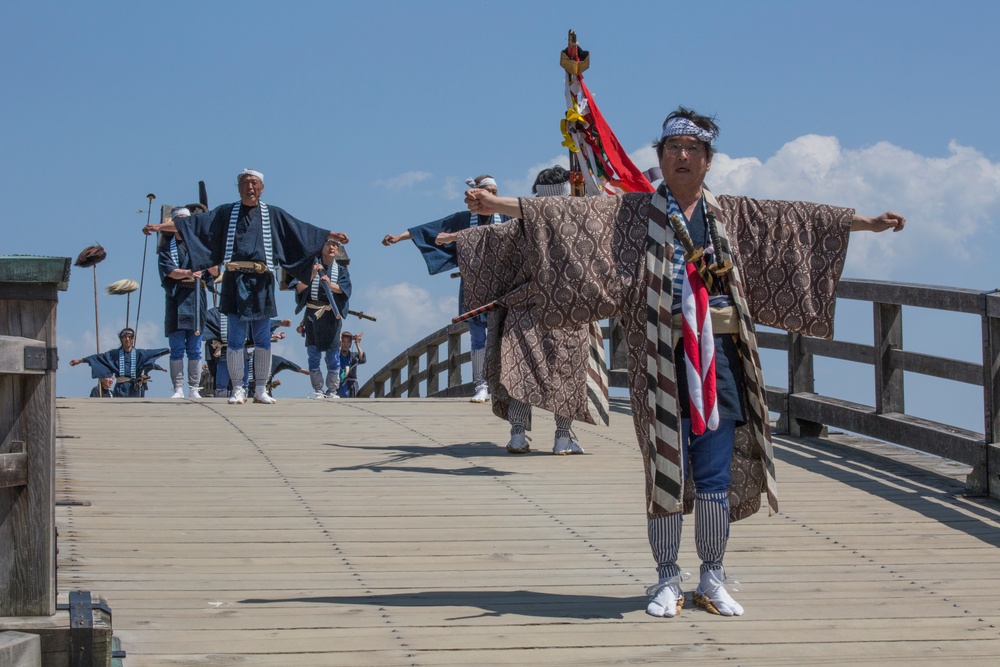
{"x": 340, "y": 237}
{"x": 445, "y": 238}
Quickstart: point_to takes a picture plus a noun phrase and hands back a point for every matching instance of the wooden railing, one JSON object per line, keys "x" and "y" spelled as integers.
{"x": 28, "y": 303}
{"x": 803, "y": 411}
{"x": 423, "y": 363}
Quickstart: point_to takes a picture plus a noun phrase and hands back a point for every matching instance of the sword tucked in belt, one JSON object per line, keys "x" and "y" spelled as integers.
{"x": 247, "y": 267}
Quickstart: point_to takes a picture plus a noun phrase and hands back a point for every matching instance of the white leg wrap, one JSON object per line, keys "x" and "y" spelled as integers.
{"x": 478, "y": 361}
{"x": 316, "y": 378}
{"x": 194, "y": 373}
{"x": 177, "y": 377}
{"x": 261, "y": 367}
{"x": 234, "y": 361}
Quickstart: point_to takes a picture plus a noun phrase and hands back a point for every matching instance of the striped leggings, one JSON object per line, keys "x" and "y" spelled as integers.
{"x": 519, "y": 416}
{"x": 711, "y": 533}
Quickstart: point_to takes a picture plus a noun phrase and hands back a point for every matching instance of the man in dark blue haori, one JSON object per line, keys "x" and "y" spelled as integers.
{"x": 185, "y": 311}
{"x": 251, "y": 240}
{"x": 441, "y": 256}
{"x": 325, "y": 299}
{"x": 127, "y": 364}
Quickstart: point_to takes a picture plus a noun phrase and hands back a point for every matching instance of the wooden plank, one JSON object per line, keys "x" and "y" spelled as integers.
{"x": 395, "y": 532}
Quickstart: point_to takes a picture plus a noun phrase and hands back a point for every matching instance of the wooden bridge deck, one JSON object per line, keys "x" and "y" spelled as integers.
{"x": 398, "y": 532}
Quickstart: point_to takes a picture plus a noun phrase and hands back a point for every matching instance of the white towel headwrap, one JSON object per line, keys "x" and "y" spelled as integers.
{"x": 471, "y": 182}
{"x": 250, "y": 172}
{"x": 683, "y": 126}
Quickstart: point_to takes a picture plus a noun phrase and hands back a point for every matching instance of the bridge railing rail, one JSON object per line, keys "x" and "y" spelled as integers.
{"x": 437, "y": 360}
{"x": 805, "y": 412}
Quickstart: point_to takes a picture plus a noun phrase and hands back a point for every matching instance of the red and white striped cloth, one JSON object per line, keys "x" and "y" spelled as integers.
{"x": 699, "y": 349}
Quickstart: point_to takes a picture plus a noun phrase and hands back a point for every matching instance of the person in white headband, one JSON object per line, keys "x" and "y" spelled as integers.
{"x": 549, "y": 347}
{"x": 185, "y": 309}
{"x": 250, "y": 172}
{"x": 251, "y": 240}
{"x": 435, "y": 241}
{"x": 664, "y": 262}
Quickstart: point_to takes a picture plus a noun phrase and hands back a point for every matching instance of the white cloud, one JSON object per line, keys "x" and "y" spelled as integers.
{"x": 406, "y": 313}
{"x": 403, "y": 181}
{"x": 950, "y": 202}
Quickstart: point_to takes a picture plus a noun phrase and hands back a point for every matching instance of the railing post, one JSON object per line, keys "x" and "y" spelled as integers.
{"x": 888, "y": 320}
{"x": 433, "y": 373}
{"x": 987, "y": 479}
{"x": 412, "y": 370}
{"x": 395, "y": 382}
{"x": 801, "y": 380}
{"x": 28, "y": 299}
{"x": 454, "y": 364}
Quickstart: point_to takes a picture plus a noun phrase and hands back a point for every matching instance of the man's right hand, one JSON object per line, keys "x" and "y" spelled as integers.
{"x": 484, "y": 202}
{"x": 389, "y": 239}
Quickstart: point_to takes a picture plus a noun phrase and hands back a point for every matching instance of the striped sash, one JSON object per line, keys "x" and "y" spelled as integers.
{"x": 664, "y": 414}
{"x": 126, "y": 364}
{"x": 597, "y": 376}
{"x": 314, "y": 288}
{"x": 661, "y": 393}
{"x": 265, "y": 223}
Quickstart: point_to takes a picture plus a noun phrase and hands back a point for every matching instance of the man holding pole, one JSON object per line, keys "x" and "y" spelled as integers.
{"x": 251, "y": 239}
{"x": 185, "y": 311}
{"x": 325, "y": 300}
{"x": 690, "y": 274}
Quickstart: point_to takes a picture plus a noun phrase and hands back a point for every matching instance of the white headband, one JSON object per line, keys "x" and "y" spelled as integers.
{"x": 471, "y": 182}
{"x": 180, "y": 212}
{"x": 683, "y": 126}
{"x": 250, "y": 172}
{"x": 558, "y": 190}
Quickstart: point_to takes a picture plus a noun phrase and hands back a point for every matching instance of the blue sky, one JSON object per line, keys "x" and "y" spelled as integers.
{"x": 367, "y": 117}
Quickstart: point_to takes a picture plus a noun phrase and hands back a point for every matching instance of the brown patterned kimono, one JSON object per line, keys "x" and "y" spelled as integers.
{"x": 573, "y": 260}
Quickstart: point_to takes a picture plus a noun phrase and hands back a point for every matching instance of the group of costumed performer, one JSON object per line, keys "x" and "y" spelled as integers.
{"x": 695, "y": 382}
{"x": 441, "y": 258}
{"x": 251, "y": 240}
{"x": 325, "y": 298}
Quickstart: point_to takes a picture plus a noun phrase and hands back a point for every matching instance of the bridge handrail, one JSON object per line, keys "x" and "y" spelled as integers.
{"x": 803, "y": 411}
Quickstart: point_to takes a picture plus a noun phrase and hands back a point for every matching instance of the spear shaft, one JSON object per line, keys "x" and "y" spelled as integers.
{"x": 142, "y": 274}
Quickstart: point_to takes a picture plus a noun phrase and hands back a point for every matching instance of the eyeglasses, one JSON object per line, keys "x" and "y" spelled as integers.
{"x": 694, "y": 150}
